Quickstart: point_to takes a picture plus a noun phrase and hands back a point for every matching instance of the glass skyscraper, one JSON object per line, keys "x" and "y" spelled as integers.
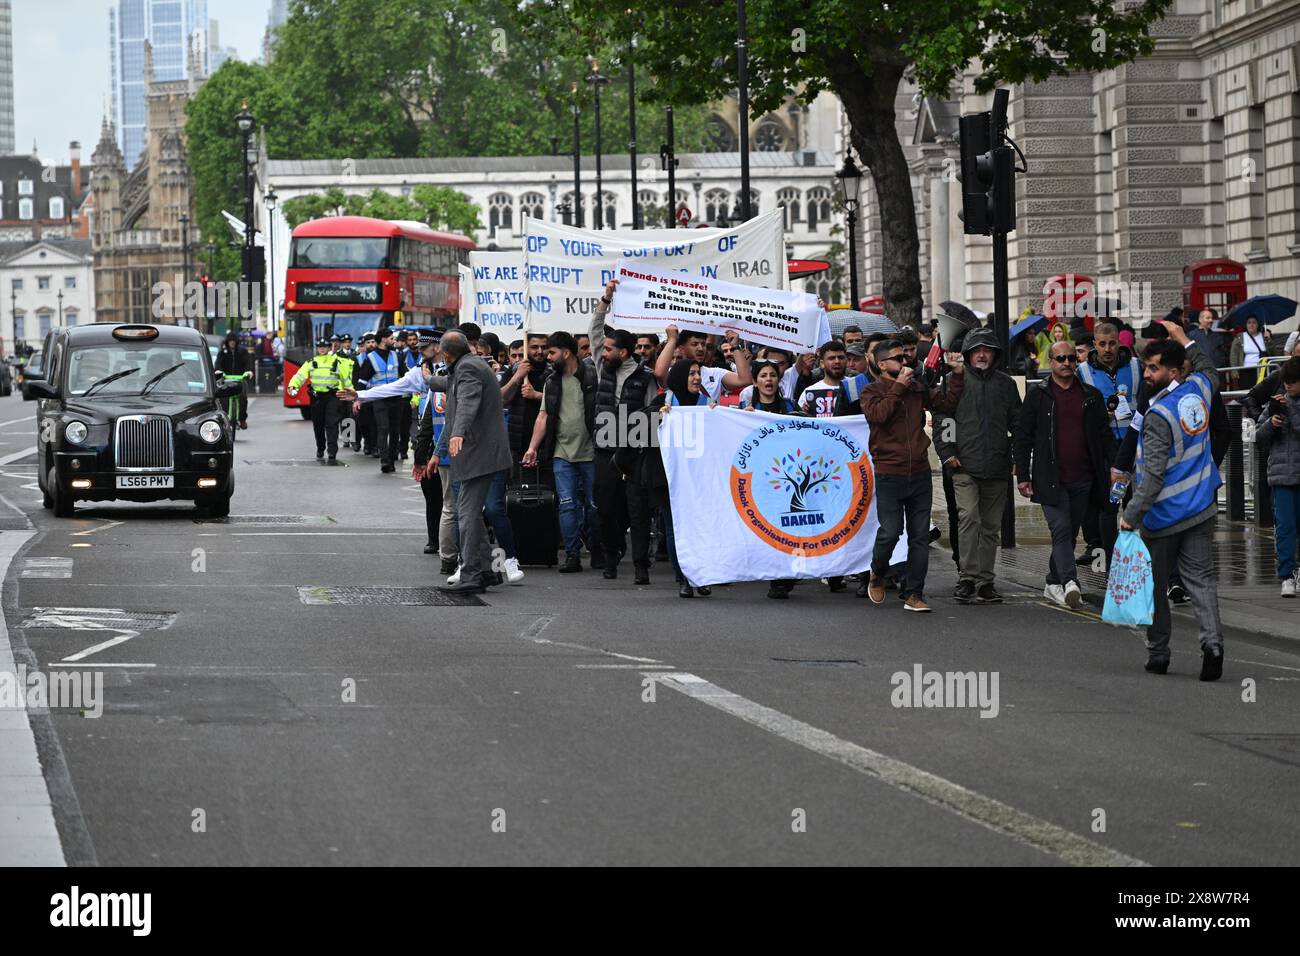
{"x": 168, "y": 25}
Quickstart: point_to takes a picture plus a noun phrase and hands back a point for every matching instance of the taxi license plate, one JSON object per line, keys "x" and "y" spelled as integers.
{"x": 146, "y": 481}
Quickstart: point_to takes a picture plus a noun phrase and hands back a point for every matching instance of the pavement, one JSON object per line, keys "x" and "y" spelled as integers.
{"x": 285, "y": 688}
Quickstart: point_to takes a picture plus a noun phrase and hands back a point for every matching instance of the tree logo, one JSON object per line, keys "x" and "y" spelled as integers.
{"x": 802, "y": 485}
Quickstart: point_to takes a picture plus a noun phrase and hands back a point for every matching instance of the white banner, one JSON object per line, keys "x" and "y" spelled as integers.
{"x": 567, "y": 268}
{"x": 757, "y": 497}
{"x": 649, "y": 299}
{"x": 466, "y": 276}
{"x": 500, "y": 289}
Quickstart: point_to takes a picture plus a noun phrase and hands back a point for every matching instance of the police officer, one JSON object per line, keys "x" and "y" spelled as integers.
{"x": 366, "y": 432}
{"x": 1174, "y": 498}
{"x": 384, "y": 366}
{"x": 327, "y": 373}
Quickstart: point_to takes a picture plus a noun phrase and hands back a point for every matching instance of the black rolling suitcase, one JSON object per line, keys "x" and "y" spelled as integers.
{"x": 534, "y": 519}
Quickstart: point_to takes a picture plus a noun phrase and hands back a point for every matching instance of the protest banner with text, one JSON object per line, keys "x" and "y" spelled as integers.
{"x": 500, "y": 292}
{"x": 649, "y": 299}
{"x": 567, "y": 268}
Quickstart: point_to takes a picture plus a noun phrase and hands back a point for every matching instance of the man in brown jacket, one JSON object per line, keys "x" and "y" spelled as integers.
{"x": 895, "y": 407}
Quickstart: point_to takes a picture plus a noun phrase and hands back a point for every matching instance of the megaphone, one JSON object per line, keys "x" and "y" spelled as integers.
{"x": 952, "y": 330}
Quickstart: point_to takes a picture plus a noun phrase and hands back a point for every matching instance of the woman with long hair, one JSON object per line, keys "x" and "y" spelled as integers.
{"x": 682, "y": 389}
{"x": 1059, "y": 332}
{"x": 1250, "y": 348}
{"x": 767, "y": 397}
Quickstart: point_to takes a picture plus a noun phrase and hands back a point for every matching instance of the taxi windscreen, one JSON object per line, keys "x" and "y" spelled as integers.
{"x": 128, "y": 369}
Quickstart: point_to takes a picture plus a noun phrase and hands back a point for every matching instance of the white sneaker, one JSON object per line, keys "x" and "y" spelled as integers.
{"x": 1073, "y": 596}
{"x": 1055, "y": 593}
{"x": 513, "y": 574}
{"x": 455, "y": 578}
{"x": 1288, "y": 587}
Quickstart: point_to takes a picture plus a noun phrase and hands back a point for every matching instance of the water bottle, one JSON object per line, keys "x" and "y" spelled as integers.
{"x": 1117, "y": 489}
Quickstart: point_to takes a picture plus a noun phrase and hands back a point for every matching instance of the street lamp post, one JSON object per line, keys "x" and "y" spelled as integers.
{"x": 245, "y": 122}
{"x": 185, "y": 257}
{"x": 269, "y": 201}
{"x": 849, "y": 178}
{"x": 577, "y": 162}
{"x": 595, "y": 80}
{"x": 668, "y": 161}
{"x": 742, "y": 79}
{"x": 631, "y": 131}
{"x": 60, "y": 308}
{"x": 212, "y": 257}
{"x": 13, "y": 314}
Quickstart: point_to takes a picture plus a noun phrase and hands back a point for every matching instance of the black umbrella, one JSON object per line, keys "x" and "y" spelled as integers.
{"x": 961, "y": 312}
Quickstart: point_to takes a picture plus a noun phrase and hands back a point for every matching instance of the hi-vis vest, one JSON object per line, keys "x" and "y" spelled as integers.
{"x": 1124, "y": 382}
{"x": 437, "y": 413}
{"x": 1191, "y": 477}
{"x": 328, "y": 373}
{"x": 384, "y": 374}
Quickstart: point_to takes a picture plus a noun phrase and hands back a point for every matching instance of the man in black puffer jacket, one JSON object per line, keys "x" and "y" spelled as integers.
{"x": 233, "y": 361}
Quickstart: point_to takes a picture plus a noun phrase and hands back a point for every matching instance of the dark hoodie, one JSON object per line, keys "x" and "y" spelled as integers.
{"x": 979, "y": 431}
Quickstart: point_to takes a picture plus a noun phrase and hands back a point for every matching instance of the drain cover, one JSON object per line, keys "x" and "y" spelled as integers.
{"x": 414, "y": 597}
{"x": 98, "y": 619}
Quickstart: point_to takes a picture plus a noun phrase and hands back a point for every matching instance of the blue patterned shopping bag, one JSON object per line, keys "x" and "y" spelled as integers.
{"x": 1130, "y": 591}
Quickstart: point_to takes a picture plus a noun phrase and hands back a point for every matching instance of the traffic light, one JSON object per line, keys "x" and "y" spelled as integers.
{"x": 988, "y": 171}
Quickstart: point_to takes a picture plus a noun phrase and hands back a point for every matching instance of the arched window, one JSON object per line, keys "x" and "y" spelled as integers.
{"x": 500, "y": 212}
{"x": 788, "y": 200}
{"x": 819, "y": 206}
{"x": 532, "y": 204}
{"x": 770, "y": 136}
{"x": 819, "y": 287}
{"x": 720, "y": 136}
{"x": 753, "y": 203}
{"x": 609, "y": 216}
{"x": 717, "y": 204}
{"x": 568, "y": 212}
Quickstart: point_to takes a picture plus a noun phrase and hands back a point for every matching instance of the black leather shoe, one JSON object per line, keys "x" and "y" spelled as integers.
{"x": 448, "y": 564}
{"x": 387, "y": 469}
{"x": 987, "y": 594}
{"x": 610, "y": 573}
{"x": 836, "y": 585}
{"x": 320, "y": 455}
{"x": 462, "y": 588}
{"x": 1177, "y": 594}
{"x": 331, "y": 460}
{"x": 642, "y": 576}
{"x": 1157, "y": 666}
{"x": 572, "y": 564}
{"x": 704, "y": 590}
{"x": 963, "y": 593}
{"x": 493, "y": 579}
{"x": 685, "y": 590}
{"x": 597, "y": 559}
{"x": 1212, "y": 664}
{"x": 433, "y": 549}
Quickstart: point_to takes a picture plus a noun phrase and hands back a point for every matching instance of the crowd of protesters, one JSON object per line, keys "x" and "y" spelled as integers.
{"x": 1100, "y": 440}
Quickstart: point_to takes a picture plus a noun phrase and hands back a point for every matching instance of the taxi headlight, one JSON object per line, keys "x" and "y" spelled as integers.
{"x": 75, "y": 432}
{"x": 210, "y": 432}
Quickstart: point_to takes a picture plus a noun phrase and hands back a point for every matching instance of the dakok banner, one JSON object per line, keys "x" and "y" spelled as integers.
{"x": 567, "y": 268}
{"x": 759, "y": 497}
{"x": 650, "y": 299}
{"x": 499, "y": 292}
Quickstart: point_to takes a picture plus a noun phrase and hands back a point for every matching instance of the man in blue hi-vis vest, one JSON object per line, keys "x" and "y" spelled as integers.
{"x": 1176, "y": 482}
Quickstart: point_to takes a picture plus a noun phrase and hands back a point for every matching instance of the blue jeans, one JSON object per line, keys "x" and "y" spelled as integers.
{"x": 1286, "y": 526}
{"x": 902, "y": 498}
{"x": 575, "y": 483}
{"x": 495, "y": 510}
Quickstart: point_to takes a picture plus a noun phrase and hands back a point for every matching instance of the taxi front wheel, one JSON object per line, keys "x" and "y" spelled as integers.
{"x": 61, "y": 503}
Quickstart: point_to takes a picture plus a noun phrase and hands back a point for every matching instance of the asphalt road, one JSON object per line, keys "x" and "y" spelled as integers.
{"x": 574, "y": 720}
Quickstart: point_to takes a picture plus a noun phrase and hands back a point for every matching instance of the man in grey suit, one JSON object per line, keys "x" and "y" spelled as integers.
{"x": 480, "y": 449}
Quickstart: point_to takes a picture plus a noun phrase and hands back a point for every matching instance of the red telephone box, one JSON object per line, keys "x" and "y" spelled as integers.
{"x": 872, "y": 303}
{"x": 1217, "y": 284}
{"x": 1061, "y": 294}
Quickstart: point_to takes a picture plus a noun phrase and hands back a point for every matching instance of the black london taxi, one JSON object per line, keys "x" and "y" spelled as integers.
{"x": 132, "y": 412}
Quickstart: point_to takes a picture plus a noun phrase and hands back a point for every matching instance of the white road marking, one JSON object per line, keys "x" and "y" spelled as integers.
{"x": 15, "y": 456}
{"x": 97, "y": 664}
{"x": 12, "y": 505}
{"x": 122, "y": 638}
{"x": 533, "y": 633}
{"x": 24, "y": 787}
{"x": 47, "y": 568}
{"x": 30, "y": 420}
{"x": 102, "y": 527}
{"x": 975, "y": 807}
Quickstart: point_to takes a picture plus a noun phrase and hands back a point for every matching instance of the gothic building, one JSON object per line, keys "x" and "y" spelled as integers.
{"x": 136, "y": 230}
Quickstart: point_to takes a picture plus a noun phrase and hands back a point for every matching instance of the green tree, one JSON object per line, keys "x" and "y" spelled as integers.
{"x": 438, "y": 207}
{"x": 860, "y": 50}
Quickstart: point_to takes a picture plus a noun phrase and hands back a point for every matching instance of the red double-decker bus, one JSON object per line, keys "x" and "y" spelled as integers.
{"x": 352, "y": 274}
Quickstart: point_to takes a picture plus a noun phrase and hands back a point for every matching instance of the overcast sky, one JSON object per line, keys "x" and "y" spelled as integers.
{"x": 61, "y": 66}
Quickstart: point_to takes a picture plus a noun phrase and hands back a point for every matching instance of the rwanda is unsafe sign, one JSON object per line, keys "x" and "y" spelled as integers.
{"x": 757, "y": 497}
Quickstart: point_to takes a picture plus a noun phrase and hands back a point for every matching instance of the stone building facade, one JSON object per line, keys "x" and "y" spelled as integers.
{"x": 1187, "y": 154}
{"x": 135, "y": 226}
